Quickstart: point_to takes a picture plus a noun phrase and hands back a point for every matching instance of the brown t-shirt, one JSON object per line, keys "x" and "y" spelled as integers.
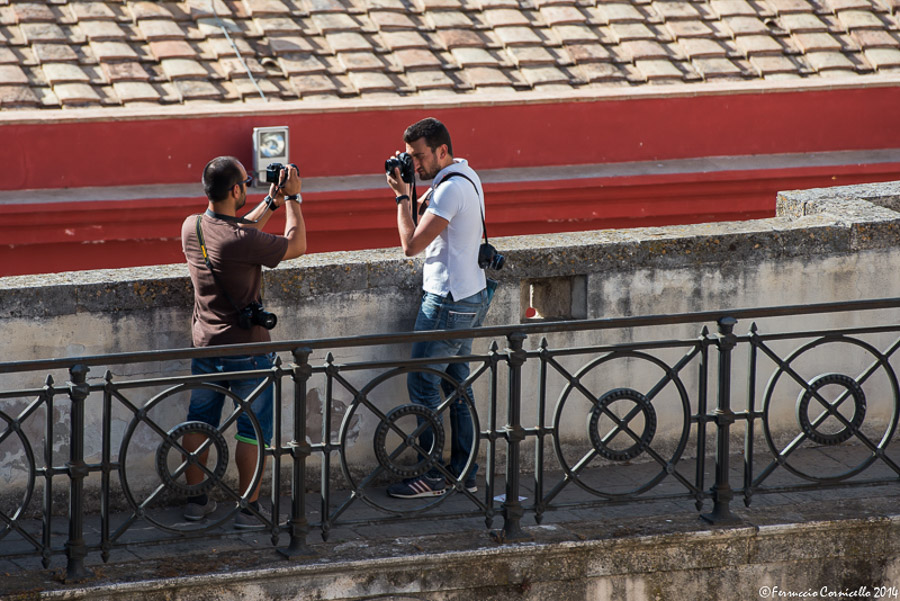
{"x": 237, "y": 254}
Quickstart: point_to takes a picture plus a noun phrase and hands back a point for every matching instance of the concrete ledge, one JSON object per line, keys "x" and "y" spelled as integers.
{"x": 727, "y": 563}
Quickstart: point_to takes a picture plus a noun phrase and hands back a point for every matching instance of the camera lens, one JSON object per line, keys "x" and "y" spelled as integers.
{"x": 267, "y": 320}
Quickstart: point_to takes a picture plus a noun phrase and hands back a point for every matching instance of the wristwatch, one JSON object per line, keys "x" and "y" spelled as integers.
{"x": 295, "y": 197}
{"x": 401, "y": 198}
{"x": 270, "y": 202}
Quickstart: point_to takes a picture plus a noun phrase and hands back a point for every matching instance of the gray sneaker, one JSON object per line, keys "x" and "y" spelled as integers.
{"x": 196, "y": 512}
{"x": 244, "y": 521}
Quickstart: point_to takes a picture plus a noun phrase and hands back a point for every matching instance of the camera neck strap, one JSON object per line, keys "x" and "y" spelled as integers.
{"x": 480, "y": 207}
{"x": 205, "y": 254}
{"x": 228, "y": 218}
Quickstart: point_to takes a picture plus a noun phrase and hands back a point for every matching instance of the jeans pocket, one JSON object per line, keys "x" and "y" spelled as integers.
{"x": 458, "y": 320}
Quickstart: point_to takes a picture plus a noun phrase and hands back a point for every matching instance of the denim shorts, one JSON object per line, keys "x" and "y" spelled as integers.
{"x": 206, "y": 404}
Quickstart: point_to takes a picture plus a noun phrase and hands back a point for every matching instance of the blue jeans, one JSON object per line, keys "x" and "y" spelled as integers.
{"x": 440, "y": 313}
{"x": 206, "y": 405}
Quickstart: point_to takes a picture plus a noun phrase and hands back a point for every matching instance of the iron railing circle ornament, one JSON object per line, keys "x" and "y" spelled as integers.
{"x": 883, "y": 365}
{"x": 859, "y": 409}
{"x": 362, "y": 399}
{"x": 178, "y": 433}
{"x": 390, "y": 422}
{"x": 241, "y": 406}
{"x": 669, "y": 377}
{"x": 16, "y": 513}
{"x": 602, "y": 407}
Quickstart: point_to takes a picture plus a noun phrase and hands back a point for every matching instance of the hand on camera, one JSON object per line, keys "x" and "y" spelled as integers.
{"x": 394, "y": 179}
{"x": 289, "y": 183}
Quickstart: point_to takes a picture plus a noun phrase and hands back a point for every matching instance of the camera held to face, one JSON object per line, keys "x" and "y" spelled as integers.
{"x": 273, "y": 172}
{"x": 254, "y": 315}
{"x": 489, "y": 258}
{"x": 404, "y": 162}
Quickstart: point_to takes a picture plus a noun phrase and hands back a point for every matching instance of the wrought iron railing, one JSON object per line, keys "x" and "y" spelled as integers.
{"x": 650, "y": 426}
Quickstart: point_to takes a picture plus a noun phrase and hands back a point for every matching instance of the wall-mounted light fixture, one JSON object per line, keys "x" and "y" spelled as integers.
{"x": 270, "y": 145}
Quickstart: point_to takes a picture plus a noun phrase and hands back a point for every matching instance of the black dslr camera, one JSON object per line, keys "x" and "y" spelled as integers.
{"x": 402, "y": 161}
{"x": 254, "y": 315}
{"x": 489, "y": 258}
{"x": 273, "y": 172}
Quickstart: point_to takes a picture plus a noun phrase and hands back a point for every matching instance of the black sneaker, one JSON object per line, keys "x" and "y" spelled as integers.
{"x": 413, "y": 488}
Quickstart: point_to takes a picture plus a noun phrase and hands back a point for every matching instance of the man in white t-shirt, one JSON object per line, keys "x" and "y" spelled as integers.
{"x": 455, "y": 293}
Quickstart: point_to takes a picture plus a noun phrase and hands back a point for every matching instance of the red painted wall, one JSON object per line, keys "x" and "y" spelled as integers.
{"x": 169, "y": 148}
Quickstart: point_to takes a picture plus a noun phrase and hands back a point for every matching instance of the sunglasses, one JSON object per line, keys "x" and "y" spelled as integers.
{"x": 246, "y": 182}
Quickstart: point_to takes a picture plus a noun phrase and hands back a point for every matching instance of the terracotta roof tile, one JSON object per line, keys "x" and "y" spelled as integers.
{"x": 883, "y": 57}
{"x": 512, "y": 36}
{"x": 632, "y": 31}
{"x": 659, "y": 69}
{"x": 619, "y": 13}
{"x": 816, "y": 42}
{"x": 644, "y": 50}
{"x": 534, "y": 55}
{"x": 588, "y": 53}
{"x": 159, "y": 29}
{"x": 386, "y": 20}
{"x": 42, "y": 32}
{"x": 838, "y": 5}
{"x": 125, "y": 71}
{"x": 417, "y": 58}
{"x": 76, "y": 94}
{"x": 751, "y": 45}
{"x": 703, "y": 47}
{"x": 770, "y": 64}
{"x": 858, "y": 19}
{"x": 601, "y": 72}
{"x": 296, "y": 64}
{"x": 561, "y": 15}
{"x": 266, "y": 7}
{"x": 674, "y": 10}
{"x": 149, "y": 10}
{"x": 477, "y": 57}
{"x": 180, "y": 68}
{"x": 689, "y": 29}
{"x": 17, "y": 96}
{"x": 136, "y": 91}
{"x": 277, "y": 25}
{"x": 52, "y": 53}
{"x": 461, "y": 38}
{"x": 867, "y": 38}
{"x": 446, "y": 19}
{"x": 163, "y": 49}
{"x": 113, "y": 52}
{"x": 485, "y": 76}
{"x": 102, "y": 30}
{"x": 824, "y": 60}
{"x": 27, "y": 12}
{"x": 12, "y": 74}
{"x": 7, "y": 56}
{"x": 401, "y": 40}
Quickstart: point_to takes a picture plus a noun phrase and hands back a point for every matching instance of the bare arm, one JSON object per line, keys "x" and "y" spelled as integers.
{"x": 416, "y": 238}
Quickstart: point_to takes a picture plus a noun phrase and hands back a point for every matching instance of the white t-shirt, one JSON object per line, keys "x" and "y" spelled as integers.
{"x": 451, "y": 260}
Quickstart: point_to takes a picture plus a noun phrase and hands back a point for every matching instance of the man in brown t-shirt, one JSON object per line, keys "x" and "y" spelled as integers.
{"x": 227, "y": 278}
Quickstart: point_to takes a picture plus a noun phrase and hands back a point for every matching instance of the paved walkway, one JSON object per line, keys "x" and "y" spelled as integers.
{"x": 449, "y": 526}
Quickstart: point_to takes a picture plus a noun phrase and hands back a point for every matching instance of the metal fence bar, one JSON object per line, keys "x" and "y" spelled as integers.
{"x": 724, "y": 417}
{"x": 298, "y": 526}
{"x": 76, "y": 550}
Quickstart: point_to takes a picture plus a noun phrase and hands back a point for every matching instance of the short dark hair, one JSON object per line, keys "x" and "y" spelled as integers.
{"x": 219, "y": 176}
{"x": 434, "y": 132}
